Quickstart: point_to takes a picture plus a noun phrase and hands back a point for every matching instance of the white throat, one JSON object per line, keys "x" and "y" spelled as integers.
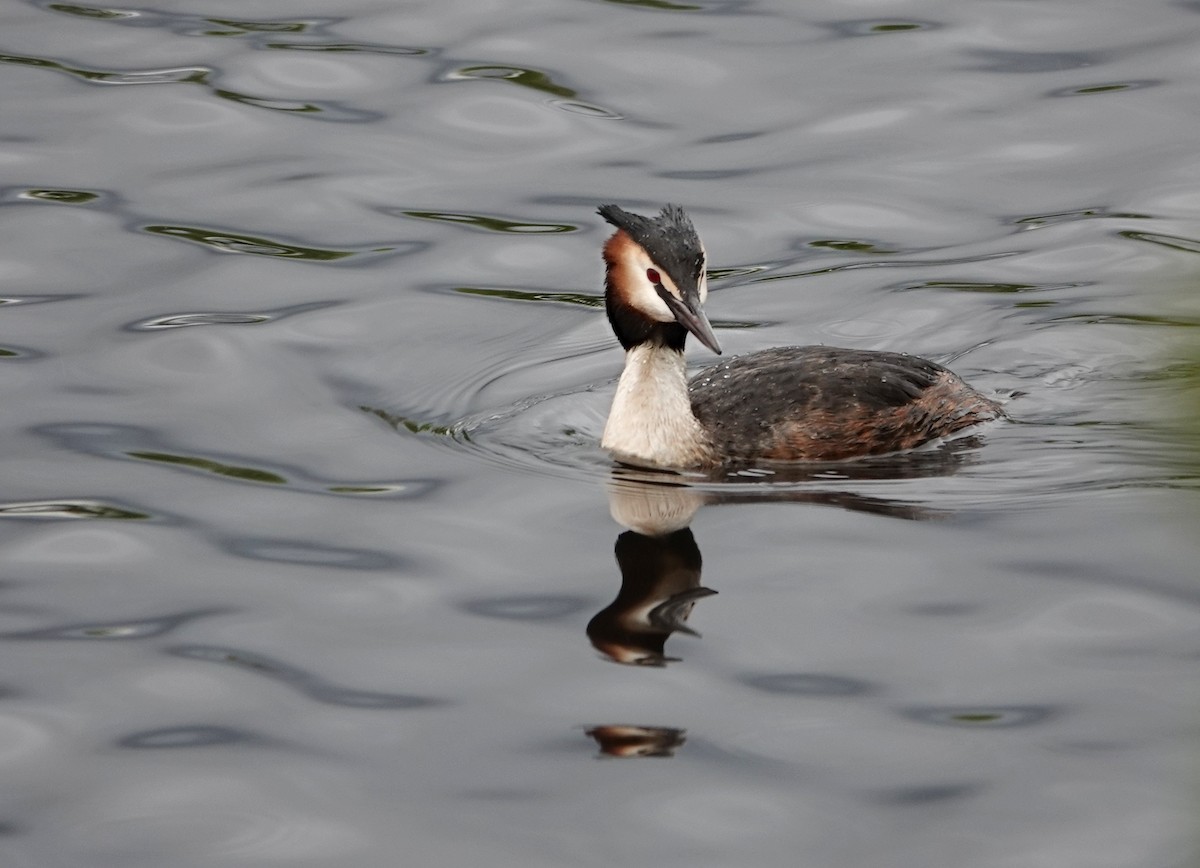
{"x": 651, "y": 421}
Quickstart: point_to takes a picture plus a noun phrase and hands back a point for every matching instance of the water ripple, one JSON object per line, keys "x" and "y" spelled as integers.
{"x": 141, "y": 628}
{"x": 290, "y": 551}
{"x": 1037, "y": 221}
{"x": 534, "y": 79}
{"x": 1175, "y": 242}
{"x": 995, "y": 60}
{"x": 259, "y": 32}
{"x": 201, "y": 75}
{"x": 527, "y": 607}
{"x": 63, "y": 197}
{"x": 223, "y": 241}
{"x": 489, "y": 224}
{"x": 194, "y": 735}
{"x": 983, "y": 716}
{"x": 810, "y": 684}
{"x": 69, "y": 509}
{"x": 307, "y": 683}
{"x": 185, "y": 320}
{"x": 660, "y": 5}
{"x": 134, "y": 443}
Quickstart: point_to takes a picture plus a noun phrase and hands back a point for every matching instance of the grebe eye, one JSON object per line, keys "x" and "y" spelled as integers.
{"x": 653, "y": 276}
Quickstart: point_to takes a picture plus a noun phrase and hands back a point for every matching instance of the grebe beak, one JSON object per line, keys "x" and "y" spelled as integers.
{"x": 690, "y": 315}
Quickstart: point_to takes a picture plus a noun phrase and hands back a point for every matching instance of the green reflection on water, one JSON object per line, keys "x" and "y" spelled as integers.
{"x": 193, "y": 75}
{"x": 363, "y": 47}
{"x": 1175, "y": 242}
{"x": 90, "y": 11}
{"x": 531, "y": 78}
{"x": 69, "y": 197}
{"x": 414, "y": 426}
{"x": 492, "y": 224}
{"x": 1036, "y": 221}
{"x": 229, "y": 242}
{"x": 977, "y": 717}
{"x": 1136, "y": 319}
{"x": 969, "y": 286}
{"x": 849, "y": 245}
{"x": 279, "y": 105}
{"x": 249, "y": 474}
{"x": 69, "y": 509}
{"x": 241, "y": 28}
{"x": 365, "y": 489}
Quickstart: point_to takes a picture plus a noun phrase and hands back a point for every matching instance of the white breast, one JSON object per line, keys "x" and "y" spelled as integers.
{"x": 651, "y": 421}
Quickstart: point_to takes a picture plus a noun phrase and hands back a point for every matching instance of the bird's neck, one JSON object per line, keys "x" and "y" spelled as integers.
{"x": 651, "y": 423}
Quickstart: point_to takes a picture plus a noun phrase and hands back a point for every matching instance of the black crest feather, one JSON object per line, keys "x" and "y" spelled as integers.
{"x": 670, "y": 239}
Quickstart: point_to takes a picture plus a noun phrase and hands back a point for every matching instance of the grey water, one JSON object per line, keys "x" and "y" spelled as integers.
{"x": 308, "y": 552}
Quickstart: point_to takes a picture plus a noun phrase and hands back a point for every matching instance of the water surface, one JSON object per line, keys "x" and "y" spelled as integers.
{"x": 308, "y": 542}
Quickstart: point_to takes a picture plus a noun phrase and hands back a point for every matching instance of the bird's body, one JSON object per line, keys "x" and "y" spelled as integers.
{"x": 811, "y": 403}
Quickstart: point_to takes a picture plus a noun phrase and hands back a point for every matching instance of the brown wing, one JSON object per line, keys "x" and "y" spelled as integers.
{"x": 826, "y": 403}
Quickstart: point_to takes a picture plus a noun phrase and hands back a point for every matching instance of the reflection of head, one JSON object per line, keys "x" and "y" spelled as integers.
{"x": 660, "y": 582}
{"x": 625, "y": 740}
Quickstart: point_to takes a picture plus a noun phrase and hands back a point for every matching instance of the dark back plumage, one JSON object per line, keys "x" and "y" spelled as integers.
{"x": 829, "y": 403}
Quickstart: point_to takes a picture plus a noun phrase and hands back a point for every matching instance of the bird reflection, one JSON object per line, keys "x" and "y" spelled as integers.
{"x": 660, "y": 583}
{"x": 660, "y": 561}
{"x": 627, "y": 740}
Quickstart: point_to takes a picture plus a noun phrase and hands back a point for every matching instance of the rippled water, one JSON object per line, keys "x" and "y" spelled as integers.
{"x": 308, "y": 543}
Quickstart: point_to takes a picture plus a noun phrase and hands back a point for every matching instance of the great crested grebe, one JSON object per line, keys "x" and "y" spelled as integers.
{"x": 812, "y": 403}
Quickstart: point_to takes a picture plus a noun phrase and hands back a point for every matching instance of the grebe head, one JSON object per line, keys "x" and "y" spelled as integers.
{"x": 656, "y": 282}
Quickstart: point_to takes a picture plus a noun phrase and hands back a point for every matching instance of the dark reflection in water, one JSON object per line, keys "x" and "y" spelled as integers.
{"x": 880, "y": 27}
{"x": 662, "y": 5}
{"x": 526, "y": 607}
{"x": 660, "y": 584}
{"x": 810, "y": 684}
{"x": 307, "y": 683}
{"x": 1107, "y": 87}
{"x": 140, "y": 628}
{"x": 932, "y": 794}
{"x": 631, "y": 741}
{"x": 994, "y": 60}
{"x": 197, "y": 735}
{"x": 986, "y": 716}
